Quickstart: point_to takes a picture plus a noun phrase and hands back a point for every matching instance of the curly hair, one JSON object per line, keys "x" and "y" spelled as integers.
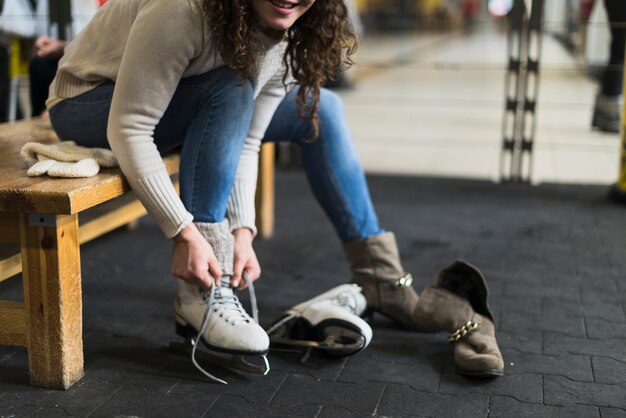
{"x": 320, "y": 45}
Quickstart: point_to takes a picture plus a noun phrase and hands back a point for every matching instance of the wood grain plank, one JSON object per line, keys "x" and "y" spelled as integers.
{"x": 20, "y": 193}
{"x": 264, "y": 199}
{"x": 95, "y": 222}
{"x": 53, "y": 301}
{"x": 12, "y": 323}
{"x": 114, "y": 219}
{"x": 10, "y": 262}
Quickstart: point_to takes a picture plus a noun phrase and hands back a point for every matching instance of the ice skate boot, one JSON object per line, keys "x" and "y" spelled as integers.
{"x": 217, "y": 318}
{"x": 329, "y": 322}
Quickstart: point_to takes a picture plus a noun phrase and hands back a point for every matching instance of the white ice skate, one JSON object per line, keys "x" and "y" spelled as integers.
{"x": 218, "y": 320}
{"x": 329, "y": 322}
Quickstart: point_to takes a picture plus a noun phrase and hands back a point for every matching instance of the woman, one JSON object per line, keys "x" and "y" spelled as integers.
{"x": 152, "y": 75}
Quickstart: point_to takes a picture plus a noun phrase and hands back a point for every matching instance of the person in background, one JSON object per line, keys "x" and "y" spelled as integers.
{"x": 608, "y": 104}
{"x": 470, "y": 10}
{"x": 4, "y": 77}
{"x": 43, "y": 68}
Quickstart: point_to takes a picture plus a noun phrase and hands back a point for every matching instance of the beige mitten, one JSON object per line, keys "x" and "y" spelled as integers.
{"x": 54, "y": 168}
{"x": 82, "y": 168}
{"x": 102, "y": 156}
{"x": 66, "y": 159}
{"x": 67, "y": 151}
{"x": 40, "y": 168}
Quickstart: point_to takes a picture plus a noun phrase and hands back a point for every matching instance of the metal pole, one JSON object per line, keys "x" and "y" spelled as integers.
{"x": 522, "y": 88}
{"x": 528, "y": 114}
{"x": 513, "y": 89}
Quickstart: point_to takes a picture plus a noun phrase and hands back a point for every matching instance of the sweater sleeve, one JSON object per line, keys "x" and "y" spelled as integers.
{"x": 165, "y": 36}
{"x": 241, "y": 210}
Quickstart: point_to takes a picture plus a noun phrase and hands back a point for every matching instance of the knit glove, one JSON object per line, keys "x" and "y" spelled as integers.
{"x": 66, "y": 159}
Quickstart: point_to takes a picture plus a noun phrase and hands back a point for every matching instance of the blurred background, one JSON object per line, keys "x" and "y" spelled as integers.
{"x": 431, "y": 84}
{"x": 447, "y": 96}
{"x": 434, "y": 88}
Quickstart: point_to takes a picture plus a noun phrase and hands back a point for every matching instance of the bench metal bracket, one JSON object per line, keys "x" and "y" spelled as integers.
{"x": 42, "y": 219}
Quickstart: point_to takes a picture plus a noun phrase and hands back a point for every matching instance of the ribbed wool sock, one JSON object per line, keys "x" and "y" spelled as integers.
{"x": 220, "y": 238}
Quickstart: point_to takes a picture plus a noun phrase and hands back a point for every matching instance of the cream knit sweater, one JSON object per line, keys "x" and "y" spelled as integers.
{"x": 146, "y": 47}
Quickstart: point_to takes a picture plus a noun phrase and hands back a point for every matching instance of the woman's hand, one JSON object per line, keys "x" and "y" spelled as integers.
{"x": 194, "y": 260}
{"x": 245, "y": 259}
{"x": 49, "y": 47}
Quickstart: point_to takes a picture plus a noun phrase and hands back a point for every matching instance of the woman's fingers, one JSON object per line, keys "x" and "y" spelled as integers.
{"x": 204, "y": 280}
{"x": 208, "y": 274}
{"x": 214, "y": 269}
{"x": 252, "y": 269}
{"x": 238, "y": 269}
{"x": 194, "y": 260}
{"x": 245, "y": 258}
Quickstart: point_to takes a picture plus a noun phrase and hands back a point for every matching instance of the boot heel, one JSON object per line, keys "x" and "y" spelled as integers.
{"x": 185, "y": 331}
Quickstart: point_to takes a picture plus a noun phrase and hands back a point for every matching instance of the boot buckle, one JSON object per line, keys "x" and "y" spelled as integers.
{"x": 462, "y": 331}
{"x": 405, "y": 280}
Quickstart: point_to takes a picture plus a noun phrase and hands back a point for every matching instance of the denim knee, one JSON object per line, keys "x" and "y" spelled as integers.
{"x": 242, "y": 95}
{"x": 223, "y": 85}
{"x": 331, "y": 107}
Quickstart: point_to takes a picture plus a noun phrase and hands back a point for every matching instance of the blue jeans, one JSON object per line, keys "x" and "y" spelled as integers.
{"x": 209, "y": 117}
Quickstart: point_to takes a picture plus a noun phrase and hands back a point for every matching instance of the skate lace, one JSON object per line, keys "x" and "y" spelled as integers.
{"x": 229, "y": 308}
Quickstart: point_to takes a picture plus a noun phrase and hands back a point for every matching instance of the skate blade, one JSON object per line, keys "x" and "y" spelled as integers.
{"x": 234, "y": 361}
{"x": 338, "y": 342}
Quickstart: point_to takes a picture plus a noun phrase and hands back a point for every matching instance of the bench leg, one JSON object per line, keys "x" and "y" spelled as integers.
{"x": 265, "y": 192}
{"x": 53, "y": 302}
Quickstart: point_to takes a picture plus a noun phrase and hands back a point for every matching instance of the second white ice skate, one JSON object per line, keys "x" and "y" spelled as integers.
{"x": 329, "y": 322}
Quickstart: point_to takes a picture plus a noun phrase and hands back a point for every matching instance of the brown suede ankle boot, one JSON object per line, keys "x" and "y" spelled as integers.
{"x": 376, "y": 267}
{"x": 458, "y": 304}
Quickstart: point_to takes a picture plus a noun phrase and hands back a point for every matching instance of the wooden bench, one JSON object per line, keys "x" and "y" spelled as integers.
{"x": 43, "y": 221}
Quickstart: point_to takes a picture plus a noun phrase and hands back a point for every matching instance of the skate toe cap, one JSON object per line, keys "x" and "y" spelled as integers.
{"x": 243, "y": 338}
